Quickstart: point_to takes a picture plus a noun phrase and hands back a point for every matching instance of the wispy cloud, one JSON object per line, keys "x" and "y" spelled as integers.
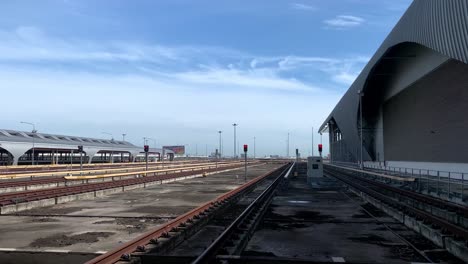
{"x": 204, "y": 67}
{"x": 300, "y": 6}
{"x": 258, "y": 79}
{"x": 345, "y": 71}
{"x": 344, "y": 21}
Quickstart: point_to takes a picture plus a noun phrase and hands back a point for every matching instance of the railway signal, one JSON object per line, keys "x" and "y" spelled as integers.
{"x": 80, "y": 150}
{"x": 320, "y": 149}
{"x": 146, "y": 149}
{"x": 246, "y": 147}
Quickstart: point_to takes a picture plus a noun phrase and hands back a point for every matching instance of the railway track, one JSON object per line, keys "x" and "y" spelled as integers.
{"x": 73, "y": 167}
{"x": 447, "y": 218}
{"x": 25, "y": 183}
{"x": 34, "y": 195}
{"x": 226, "y": 208}
{"x": 97, "y": 171}
{"x": 234, "y": 238}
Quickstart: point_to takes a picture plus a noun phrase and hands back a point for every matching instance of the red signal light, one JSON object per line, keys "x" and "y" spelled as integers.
{"x": 245, "y": 148}
{"x": 320, "y": 147}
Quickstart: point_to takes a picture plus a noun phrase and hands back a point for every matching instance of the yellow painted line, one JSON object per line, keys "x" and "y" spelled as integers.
{"x": 105, "y": 171}
{"x": 148, "y": 172}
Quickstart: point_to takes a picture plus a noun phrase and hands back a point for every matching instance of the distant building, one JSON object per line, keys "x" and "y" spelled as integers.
{"x": 16, "y": 147}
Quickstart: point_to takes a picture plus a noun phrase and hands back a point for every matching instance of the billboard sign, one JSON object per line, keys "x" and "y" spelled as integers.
{"x": 178, "y": 150}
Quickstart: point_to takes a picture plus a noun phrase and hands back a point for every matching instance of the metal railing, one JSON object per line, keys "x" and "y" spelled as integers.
{"x": 448, "y": 185}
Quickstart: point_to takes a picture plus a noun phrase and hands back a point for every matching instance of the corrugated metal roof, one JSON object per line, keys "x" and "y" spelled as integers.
{"x": 22, "y": 136}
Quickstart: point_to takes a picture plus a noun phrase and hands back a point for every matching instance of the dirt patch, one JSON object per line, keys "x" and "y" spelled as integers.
{"x": 312, "y": 215}
{"x": 53, "y": 210}
{"x": 214, "y": 191}
{"x": 43, "y": 220}
{"x": 361, "y": 214}
{"x": 137, "y": 225}
{"x": 258, "y": 253}
{"x": 104, "y": 222}
{"x": 62, "y": 240}
{"x": 162, "y": 210}
{"x": 370, "y": 238}
{"x": 274, "y": 225}
{"x": 374, "y": 210}
{"x": 443, "y": 256}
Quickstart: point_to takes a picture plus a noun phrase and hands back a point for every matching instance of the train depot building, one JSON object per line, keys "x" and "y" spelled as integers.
{"x": 413, "y": 95}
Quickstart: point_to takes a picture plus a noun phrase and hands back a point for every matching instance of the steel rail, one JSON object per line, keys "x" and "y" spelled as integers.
{"x": 139, "y": 243}
{"x": 456, "y": 230}
{"x": 376, "y": 219}
{"x": 463, "y": 210}
{"x": 211, "y": 250}
{"x": 76, "y": 167}
{"x": 65, "y": 179}
{"x": 99, "y": 170}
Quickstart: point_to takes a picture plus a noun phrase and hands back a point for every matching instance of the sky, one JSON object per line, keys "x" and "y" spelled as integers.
{"x": 178, "y": 71}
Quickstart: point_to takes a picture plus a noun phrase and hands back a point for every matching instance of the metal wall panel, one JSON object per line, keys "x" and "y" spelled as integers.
{"x": 440, "y": 25}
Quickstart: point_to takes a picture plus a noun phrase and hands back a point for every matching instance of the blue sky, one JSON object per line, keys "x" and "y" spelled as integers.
{"x": 179, "y": 71}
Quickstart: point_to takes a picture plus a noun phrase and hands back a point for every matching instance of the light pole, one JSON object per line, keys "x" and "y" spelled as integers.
{"x": 312, "y": 141}
{"x": 361, "y": 94}
{"x": 34, "y": 131}
{"x": 235, "y": 146}
{"x": 145, "y": 141}
{"x": 254, "y": 149}
{"x": 154, "y": 141}
{"x": 112, "y": 152}
{"x": 220, "y": 153}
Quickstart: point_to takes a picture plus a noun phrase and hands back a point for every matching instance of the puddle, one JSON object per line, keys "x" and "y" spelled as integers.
{"x": 370, "y": 238}
{"x": 63, "y": 240}
{"x": 298, "y": 202}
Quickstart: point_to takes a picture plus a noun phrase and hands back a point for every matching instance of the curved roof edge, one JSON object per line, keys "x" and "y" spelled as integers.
{"x": 438, "y": 25}
{"x": 23, "y": 136}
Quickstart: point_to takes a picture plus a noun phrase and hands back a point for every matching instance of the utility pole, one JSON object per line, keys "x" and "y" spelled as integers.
{"x": 146, "y": 149}
{"x": 245, "y": 163}
{"x": 34, "y": 131}
{"x": 80, "y": 149}
{"x": 216, "y": 158}
{"x": 361, "y": 94}
{"x": 312, "y": 141}
{"x": 123, "y": 136}
{"x": 287, "y": 147}
{"x": 254, "y": 149}
{"x": 220, "y": 151}
{"x": 235, "y": 146}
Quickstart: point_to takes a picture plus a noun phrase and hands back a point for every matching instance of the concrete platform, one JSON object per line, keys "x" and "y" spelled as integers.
{"x": 88, "y": 226}
{"x": 328, "y": 224}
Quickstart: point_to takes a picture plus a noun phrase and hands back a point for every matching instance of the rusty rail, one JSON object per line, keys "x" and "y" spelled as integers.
{"x": 138, "y": 244}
